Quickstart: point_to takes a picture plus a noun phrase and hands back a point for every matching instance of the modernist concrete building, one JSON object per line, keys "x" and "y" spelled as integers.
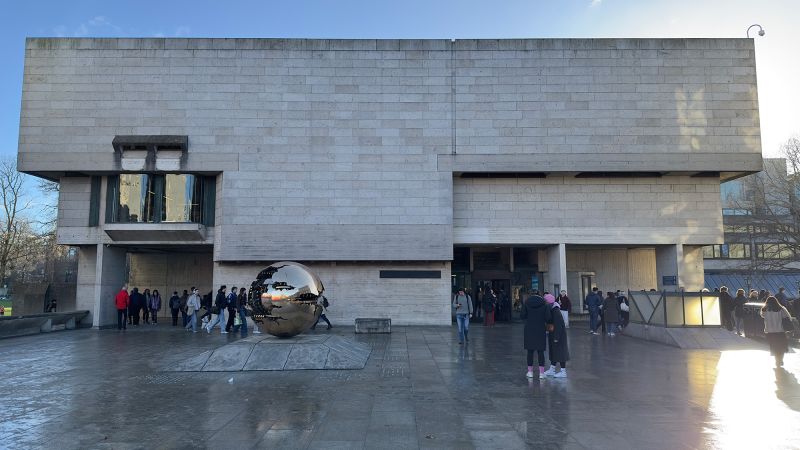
{"x": 396, "y": 169}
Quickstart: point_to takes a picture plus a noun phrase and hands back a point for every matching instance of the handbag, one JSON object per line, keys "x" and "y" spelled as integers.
{"x": 215, "y": 310}
{"x": 787, "y": 324}
{"x": 237, "y": 321}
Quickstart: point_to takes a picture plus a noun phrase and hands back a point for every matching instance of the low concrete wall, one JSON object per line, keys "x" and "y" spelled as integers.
{"x": 712, "y": 338}
{"x": 13, "y": 326}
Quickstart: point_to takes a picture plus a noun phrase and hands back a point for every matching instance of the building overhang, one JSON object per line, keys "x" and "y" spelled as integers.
{"x": 156, "y": 232}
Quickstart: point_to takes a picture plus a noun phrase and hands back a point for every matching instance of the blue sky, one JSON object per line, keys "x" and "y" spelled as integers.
{"x": 777, "y": 54}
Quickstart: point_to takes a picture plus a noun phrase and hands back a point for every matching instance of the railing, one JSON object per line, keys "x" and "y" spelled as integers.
{"x": 675, "y": 309}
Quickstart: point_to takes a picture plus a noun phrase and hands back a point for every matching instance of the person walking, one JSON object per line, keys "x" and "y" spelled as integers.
{"x": 557, "y": 341}
{"x": 624, "y": 310}
{"x": 489, "y": 307}
{"x": 184, "y": 299}
{"x": 565, "y": 306}
{"x": 323, "y": 302}
{"x": 593, "y": 303}
{"x": 738, "y": 310}
{"x": 175, "y": 307}
{"x": 783, "y": 299}
{"x": 774, "y": 313}
{"x": 230, "y": 307}
{"x": 155, "y": 306}
{"x": 536, "y": 314}
{"x": 241, "y": 302}
{"x": 122, "y": 301}
{"x": 463, "y": 306}
{"x": 192, "y": 308}
{"x": 726, "y": 308}
{"x": 207, "y": 305}
{"x": 611, "y": 313}
{"x": 220, "y": 305}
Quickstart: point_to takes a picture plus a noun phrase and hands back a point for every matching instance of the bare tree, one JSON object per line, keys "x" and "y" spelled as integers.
{"x": 14, "y": 229}
{"x": 768, "y": 203}
{"x": 49, "y": 213}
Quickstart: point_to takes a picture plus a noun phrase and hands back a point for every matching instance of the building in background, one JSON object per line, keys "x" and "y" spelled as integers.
{"x": 396, "y": 169}
{"x": 760, "y": 221}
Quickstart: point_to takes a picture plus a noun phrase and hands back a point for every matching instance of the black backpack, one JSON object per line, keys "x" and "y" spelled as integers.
{"x": 325, "y": 302}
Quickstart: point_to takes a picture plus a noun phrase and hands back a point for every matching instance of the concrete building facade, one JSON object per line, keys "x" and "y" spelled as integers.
{"x": 397, "y": 169}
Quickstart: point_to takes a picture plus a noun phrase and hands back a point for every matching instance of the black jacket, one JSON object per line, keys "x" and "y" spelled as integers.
{"x": 536, "y": 315}
{"x": 557, "y": 339}
{"x": 221, "y": 301}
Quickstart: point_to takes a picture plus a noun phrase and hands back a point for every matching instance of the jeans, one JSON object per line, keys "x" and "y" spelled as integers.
{"x": 593, "y": 319}
{"x": 243, "y": 318}
{"x": 737, "y": 321}
{"x": 192, "y": 322}
{"x": 184, "y": 317}
{"x": 611, "y": 327}
{"x": 463, "y": 326}
{"x": 154, "y": 315}
{"x": 122, "y": 318}
{"x": 219, "y": 319}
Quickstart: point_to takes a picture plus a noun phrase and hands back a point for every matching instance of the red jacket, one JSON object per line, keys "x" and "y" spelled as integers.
{"x": 122, "y": 300}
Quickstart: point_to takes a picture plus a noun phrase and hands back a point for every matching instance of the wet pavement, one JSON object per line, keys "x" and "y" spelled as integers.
{"x": 420, "y": 389}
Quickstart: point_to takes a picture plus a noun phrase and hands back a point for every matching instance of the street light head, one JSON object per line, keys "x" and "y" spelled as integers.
{"x": 761, "y": 32}
{"x": 760, "y": 29}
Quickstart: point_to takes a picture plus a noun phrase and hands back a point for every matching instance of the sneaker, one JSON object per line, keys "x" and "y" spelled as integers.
{"x": 550, "y": 372}
{"x": 330, "y": 326}
{"x": 256, "y": 331}
{"x": 560, "y": 374}
{"x": 592, "y": 332}
{"x": 223, "y": 332}
{"x": 208, "y": 330}
{"x": 529, "y": 374}
{"x": 542, "y": 376}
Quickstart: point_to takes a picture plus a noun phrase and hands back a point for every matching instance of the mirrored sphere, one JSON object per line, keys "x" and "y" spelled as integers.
{"x": 283, "y": 299}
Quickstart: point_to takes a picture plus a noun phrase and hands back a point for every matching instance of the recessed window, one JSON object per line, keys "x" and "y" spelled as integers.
{"x": 154, "y": 198}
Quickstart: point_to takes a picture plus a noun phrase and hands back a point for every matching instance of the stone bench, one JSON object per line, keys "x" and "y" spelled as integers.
{"x": 13, "y": 326}
{"x": 373, "y": 325}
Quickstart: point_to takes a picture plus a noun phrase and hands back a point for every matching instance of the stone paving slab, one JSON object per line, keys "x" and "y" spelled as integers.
{"x": 418, "y": 389}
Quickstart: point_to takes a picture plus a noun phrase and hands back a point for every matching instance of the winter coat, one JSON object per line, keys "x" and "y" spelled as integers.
{"x": 593, "y": 301}
{"x": 155, "y": 302}
{"x": 725, "y": 303}
{"x": 566, "y": 304}
{"x": 221, "y": 302}
{"x": 241, "y": 301}
{"x": 611, "y": 309}
{"x": 137, "y": 300}
{"x": 122, "y": 300}
{"x": 536, "y": 314}
{"x": 174, "y": 302}
{"x": 557, "y": 339}
{"x": 738, "y": 305}
{"x": 489, "y": 302}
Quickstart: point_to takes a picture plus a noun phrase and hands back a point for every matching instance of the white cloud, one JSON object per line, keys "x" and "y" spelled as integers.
{"x": 596, "y": 2}
{"x": 96, "y": 26}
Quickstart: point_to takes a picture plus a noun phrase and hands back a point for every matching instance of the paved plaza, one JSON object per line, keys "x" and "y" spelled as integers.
{"x": 420, "y": 389}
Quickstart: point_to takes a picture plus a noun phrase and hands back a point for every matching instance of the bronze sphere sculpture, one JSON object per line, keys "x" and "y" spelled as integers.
{"x": 283, "y": 299}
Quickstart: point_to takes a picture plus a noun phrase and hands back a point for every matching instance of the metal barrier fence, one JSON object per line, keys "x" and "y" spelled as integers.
{"x": 675, "y": 309}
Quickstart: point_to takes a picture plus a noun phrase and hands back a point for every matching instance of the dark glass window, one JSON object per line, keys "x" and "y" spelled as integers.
{"x": 182, "y": 200}
{"x": 153, "y": 198}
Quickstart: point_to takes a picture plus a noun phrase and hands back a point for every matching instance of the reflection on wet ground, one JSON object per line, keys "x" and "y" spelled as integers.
{"x": 420, "y": 389}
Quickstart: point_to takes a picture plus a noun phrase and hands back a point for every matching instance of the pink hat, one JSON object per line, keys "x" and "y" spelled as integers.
{"x": 549, "y": 299}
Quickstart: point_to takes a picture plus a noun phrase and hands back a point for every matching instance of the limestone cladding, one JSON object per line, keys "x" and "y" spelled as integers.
{"x": 356, "y": 290}
{"x": 329, "y": 147}
{"x": 637, "y": 211}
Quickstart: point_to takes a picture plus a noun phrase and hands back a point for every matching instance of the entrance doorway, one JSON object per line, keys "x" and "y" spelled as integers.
{"x": 501, "y": 288}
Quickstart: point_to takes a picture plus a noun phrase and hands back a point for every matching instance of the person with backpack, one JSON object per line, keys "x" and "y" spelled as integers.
{"x": 556, "y": 341}
{"x": 536, "y": 314}
{"x": 323, "y": 302}
{"x": 220, "y": 305}
{"x": 462, "y": 303}
{"x": 174, "y": 307}
{"x": 184, "y": 299}
{"x": 241, "y": 301}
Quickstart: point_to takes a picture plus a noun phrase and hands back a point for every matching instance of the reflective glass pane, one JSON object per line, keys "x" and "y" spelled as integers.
{"x": 711, "y": 311}
{"x": 674, "y": 311}
{"x": 693, "y": 311}
{"x": 136, "y": 196}
{"x": 182, "y": 197}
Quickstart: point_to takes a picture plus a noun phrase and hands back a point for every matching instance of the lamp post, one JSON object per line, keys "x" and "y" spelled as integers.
{"x": 761, "y": 31}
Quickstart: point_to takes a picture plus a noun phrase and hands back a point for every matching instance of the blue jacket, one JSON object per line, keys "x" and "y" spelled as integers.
{"x": 593, "y": 301}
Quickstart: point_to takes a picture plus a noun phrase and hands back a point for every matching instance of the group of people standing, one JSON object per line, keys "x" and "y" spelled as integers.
{"x": 545, "y": 329}
{"x": 140, "y": 307}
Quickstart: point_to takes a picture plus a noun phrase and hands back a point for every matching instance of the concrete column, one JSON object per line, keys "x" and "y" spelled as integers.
{"x": 556, "y": 268}
{"x": 101, "y": 273}
{"x": 679, "y": 266}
